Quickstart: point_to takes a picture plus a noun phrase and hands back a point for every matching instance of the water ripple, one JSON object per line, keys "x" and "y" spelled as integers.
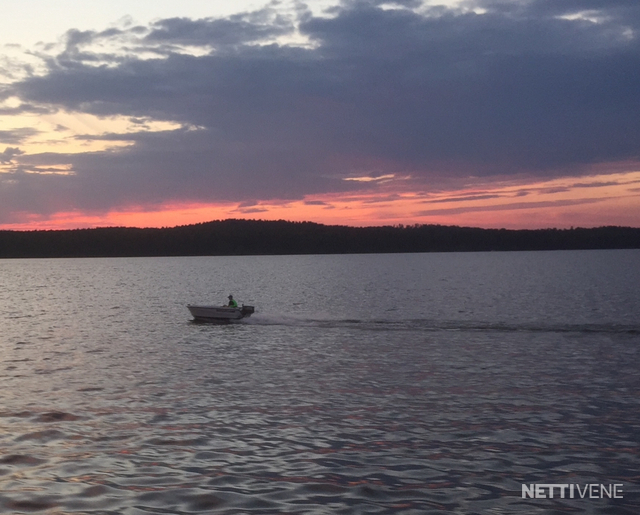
{"x": 447, "y": 405}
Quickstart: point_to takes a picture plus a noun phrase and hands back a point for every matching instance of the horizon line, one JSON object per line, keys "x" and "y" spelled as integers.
{"x": 395, "y": 226}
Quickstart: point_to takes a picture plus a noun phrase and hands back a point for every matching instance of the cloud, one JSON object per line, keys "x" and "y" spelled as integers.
{"x": 465, "y": 198}
{"x": 25, "y": 108}
{"x": 9, "y": 153}
{"x": 509, "y": 207}
{"x": 239, "y": 29}
{"x": 280, "y": 104}
{"x": 15, "y": 136}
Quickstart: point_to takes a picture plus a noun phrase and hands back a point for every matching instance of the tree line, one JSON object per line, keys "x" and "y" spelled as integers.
{"x": 251, "y": 237}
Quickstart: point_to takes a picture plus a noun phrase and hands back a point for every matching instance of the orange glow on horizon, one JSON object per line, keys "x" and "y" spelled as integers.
{"x": 592, "y": 201}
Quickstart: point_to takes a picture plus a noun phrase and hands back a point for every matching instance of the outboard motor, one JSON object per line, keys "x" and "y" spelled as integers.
{"x": 247, "y": 310}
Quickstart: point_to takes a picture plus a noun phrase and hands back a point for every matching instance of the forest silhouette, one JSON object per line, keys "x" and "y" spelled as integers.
{"x": 251, "y": 237}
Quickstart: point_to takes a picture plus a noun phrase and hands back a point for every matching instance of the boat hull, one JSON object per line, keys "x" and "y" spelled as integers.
{"x": 219, "y": 314}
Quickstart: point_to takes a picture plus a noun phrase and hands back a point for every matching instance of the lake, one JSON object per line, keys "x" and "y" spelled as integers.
{"x": 382, "y": 384}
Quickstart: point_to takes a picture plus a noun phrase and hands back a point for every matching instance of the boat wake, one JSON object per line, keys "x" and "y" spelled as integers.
{"x": 433, "y": 325}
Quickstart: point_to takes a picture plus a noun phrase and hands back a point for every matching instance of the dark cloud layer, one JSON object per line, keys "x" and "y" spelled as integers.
{"x": 540, "y": 87}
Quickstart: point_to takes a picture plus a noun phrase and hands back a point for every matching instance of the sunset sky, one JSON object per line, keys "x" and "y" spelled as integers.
{"x": 486, "y": 113}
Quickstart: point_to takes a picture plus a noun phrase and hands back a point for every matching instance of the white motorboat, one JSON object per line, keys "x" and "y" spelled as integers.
{"x": 220, "y": 314}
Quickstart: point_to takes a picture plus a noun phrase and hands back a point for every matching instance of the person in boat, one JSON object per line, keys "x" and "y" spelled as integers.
{"x": 232, "y": 302}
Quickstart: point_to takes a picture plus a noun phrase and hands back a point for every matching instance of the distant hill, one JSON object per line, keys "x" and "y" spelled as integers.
{"x": 248, "y": 237}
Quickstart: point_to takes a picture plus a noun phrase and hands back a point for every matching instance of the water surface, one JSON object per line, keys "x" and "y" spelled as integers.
{"x": 413, "y": 383}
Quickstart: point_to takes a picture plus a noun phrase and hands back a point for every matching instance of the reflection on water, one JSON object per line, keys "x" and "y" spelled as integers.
{"x": 349, "y": 391}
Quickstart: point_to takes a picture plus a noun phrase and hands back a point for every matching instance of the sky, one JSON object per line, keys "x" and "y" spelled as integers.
{"x": 484, "y": 113}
